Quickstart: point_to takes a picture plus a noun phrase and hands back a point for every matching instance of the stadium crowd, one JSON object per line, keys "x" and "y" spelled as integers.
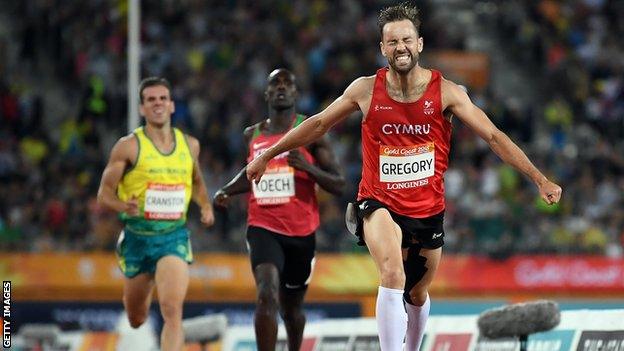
{"x": 63, "y": 100}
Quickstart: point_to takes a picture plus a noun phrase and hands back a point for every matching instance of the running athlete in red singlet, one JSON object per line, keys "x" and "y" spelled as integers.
{"x": 405, "y": 147}
{"x": 283, "y": 213}
{"x": 405, "y": 143}
{"x": 272, "y": 202}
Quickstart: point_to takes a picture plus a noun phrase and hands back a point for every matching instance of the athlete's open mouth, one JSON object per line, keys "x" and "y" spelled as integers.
{"x": 403, "y": 58}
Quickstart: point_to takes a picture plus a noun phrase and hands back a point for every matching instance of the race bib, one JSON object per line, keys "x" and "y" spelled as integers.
{"x": 399, "y": 164}
{"x": 164, "y": 201}
{"x": 277, "y": 186}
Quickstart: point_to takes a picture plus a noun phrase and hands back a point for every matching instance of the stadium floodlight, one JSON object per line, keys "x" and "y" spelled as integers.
{"x": 204, "y": 329}
{"x": 41, "y": 335}
{"x": 519, "y": 320}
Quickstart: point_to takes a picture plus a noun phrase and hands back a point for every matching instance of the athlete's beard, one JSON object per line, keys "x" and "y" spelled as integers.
{"x": 403, "y": 70}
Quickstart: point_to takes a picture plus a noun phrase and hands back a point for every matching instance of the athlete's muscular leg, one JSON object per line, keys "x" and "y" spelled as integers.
{"x": 383, "y": 239}
{"x": 420, "y": 268}
{"x": 137, "y": 297}
{"x": 418, "y": 293}
{"x": 291, "y": 309}
{"x": 172, "y": 278}
{"x": 265, "y": 318}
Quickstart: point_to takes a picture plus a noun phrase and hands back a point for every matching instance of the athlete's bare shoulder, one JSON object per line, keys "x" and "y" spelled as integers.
{"x": 449, "y": 84}
{"x": 452, "y": 93}
{"x": 128, "y": 142}
{"x": 360, "y": 88}
{"x": 126, "y": 148}
{"x": 249, "y": 131}
{"x": 360, "y": 92}
{"x": 193, "y": 144}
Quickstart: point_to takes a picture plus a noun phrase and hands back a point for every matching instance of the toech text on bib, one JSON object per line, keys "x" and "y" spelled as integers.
{"x": 277, "y": 186}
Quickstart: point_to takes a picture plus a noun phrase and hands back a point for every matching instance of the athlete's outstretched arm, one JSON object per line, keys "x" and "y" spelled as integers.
{"x": 457, "y": 101}
{"x": 238, "y": 185}
{"x": 122, "y": 155}
{"x": 311, "y": 129}
{"x": 200, "y": 192}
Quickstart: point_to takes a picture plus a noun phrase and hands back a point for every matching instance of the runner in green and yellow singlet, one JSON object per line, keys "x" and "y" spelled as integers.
{"x": 151, "y": 176}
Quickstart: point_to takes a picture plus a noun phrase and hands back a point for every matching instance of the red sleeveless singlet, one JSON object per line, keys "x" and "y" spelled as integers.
{"x": 284, "y": 201}
{"x": 405, "y": 148}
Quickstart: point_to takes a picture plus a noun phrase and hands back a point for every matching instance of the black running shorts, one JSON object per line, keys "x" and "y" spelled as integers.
{"x": 293, "y": 256}
{"x": 426, "y": 232}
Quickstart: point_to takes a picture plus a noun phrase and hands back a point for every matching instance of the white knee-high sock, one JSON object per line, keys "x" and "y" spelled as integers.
{"x": 391, "y": 319}
{"x": 416, "y": 322}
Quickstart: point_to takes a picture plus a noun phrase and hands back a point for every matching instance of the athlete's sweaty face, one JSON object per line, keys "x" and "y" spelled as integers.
{"x": 157, "y": 105}
{"x": 401, "y": 45}
{"x": 281, "y": 91}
